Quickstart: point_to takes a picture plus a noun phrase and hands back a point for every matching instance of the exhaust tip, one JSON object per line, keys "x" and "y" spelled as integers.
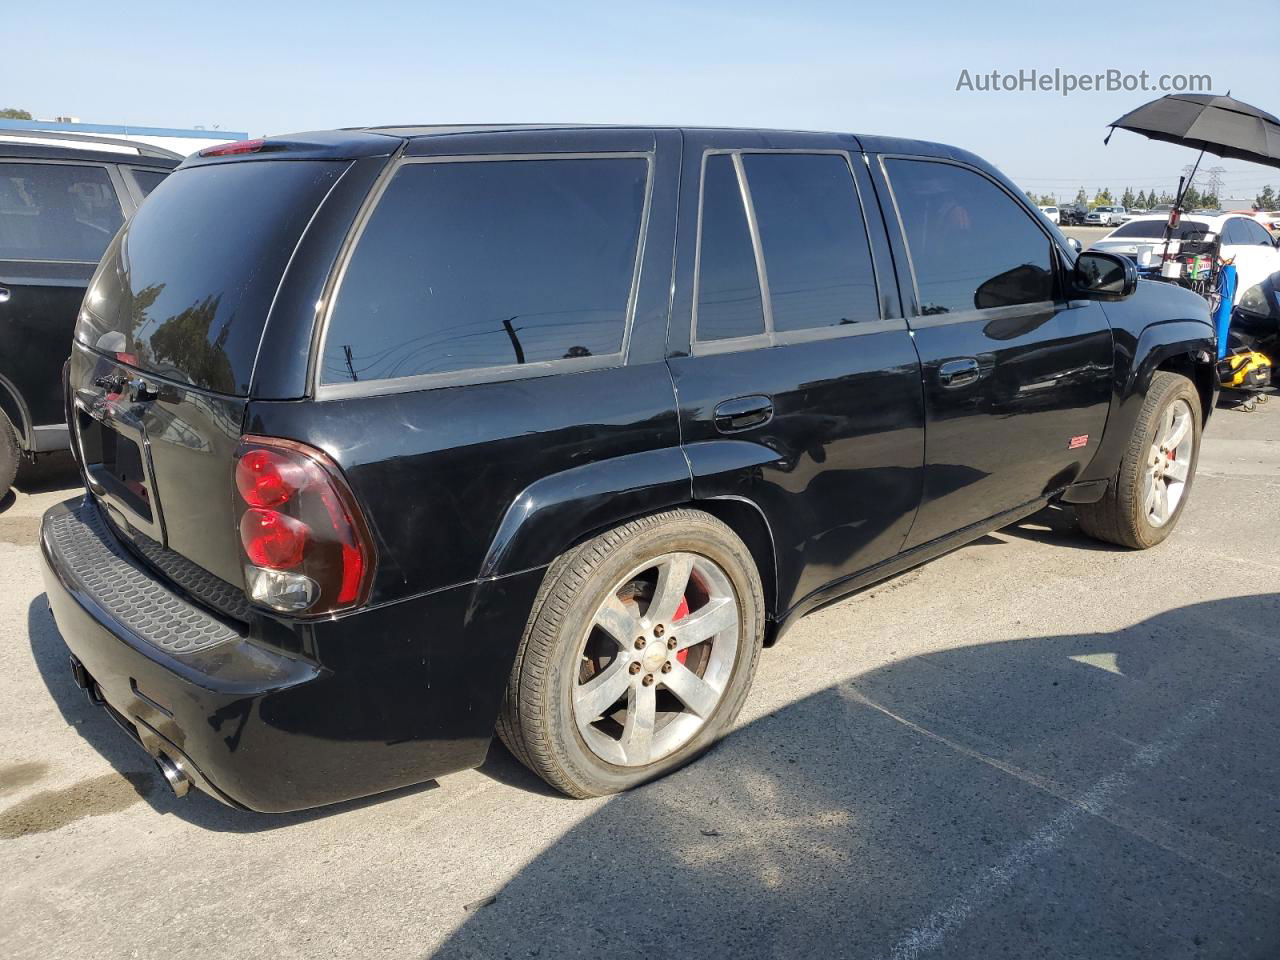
{"x": 174, "y": 776}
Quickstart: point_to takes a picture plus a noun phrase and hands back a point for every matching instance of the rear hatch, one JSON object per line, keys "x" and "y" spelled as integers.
{"x": 164, "y": 354}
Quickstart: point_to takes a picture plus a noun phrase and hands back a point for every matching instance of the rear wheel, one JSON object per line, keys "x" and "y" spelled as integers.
{"x": 638, "y": 655}
{"x": 1143, "y": 503}
{"x": 8, "y": 455}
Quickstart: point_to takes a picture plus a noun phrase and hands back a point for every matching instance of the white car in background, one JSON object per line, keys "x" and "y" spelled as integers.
{"x": 1244, "y": 242}
{"x": 1052, "y": 213}
{"x": 1105, "y": 216}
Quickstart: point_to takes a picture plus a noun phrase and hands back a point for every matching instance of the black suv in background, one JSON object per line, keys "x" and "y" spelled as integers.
{"x": 60, "y": 205}
{"x": 395, "y": 437}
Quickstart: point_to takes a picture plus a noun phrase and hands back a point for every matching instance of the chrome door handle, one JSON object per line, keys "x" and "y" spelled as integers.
{"x": 958, "y": 373}
{"x": 742, "y": 413}
{"x": 4, "y": 294}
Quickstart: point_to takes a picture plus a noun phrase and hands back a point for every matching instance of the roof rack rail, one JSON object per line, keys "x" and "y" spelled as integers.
{"x": 88, "y": 139}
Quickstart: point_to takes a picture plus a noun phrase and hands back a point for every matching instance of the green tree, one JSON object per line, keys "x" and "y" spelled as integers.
{"x": 1266, "y": 200}
{"x": 13, "y": 113}
{"x": 1141, "y": 202}
{"x": 1102, "y": 198}
{"x": 184, "y": 339}
{"x": 1082, "y": 198}
{"x": 1128, "y": 200}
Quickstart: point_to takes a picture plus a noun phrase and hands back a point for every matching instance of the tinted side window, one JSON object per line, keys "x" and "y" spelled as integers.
{"x": 729, "y": 302}
{"x": 816, "y": 254}
{"x": 489, "y": 263}
{"x": 971, "y": 245}
{"x": 56, "y": 211}
{"x": 1231, "y": 232}
{"x": 1256, "y": 234}
{"x": 146, "y": 179}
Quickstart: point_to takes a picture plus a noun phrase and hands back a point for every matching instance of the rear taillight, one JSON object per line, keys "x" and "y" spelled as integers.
{"x": 232, "y": 149}
{"x": 305, "y": 547}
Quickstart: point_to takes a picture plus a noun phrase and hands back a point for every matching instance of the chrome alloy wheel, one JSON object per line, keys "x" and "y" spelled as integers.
{"x": 656, "y": 659}
{"x": 1169, "y": 464}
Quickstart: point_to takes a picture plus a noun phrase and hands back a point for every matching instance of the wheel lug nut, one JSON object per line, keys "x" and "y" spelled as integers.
{"x": 671, "y": 643}
{"x": 639, "y": 643}
{"x": 634, "y": 668}
{"x": 658, "y": 630}
{"x": 666, "y": 667}
{"x": 648, "y": 680}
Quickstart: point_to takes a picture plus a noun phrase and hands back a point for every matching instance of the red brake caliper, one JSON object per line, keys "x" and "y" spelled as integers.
{"x": 682, "y": 611}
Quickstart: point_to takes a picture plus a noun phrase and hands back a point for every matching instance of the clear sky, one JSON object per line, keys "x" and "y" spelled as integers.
{"x": 883, "y": 67}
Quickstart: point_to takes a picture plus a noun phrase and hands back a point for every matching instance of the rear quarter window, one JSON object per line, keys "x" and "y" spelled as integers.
{"x": 478, "y": 268}
{"x": 56, "y": 211}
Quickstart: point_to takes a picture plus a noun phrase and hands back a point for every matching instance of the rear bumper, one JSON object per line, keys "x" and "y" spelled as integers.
{"x": 372, "y": 701}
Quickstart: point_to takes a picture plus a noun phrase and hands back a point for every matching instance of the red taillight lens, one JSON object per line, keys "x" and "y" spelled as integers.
{"x": 272, "y": 539}
{"x": 307, "y": 550}
{"x": 267, "y": 479}
{"x": 231, "y": 149}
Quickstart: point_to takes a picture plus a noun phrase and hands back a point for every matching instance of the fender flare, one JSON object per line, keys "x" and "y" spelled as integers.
{"x": 1159, "y": 342}
{"x": 557, "y": 511}
{"x": 1192, "y": 340}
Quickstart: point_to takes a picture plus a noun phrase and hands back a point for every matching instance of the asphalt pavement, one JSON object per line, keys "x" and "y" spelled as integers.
{"x": 1037, "y": 745}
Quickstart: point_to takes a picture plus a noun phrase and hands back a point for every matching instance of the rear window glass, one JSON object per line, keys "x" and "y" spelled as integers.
{"x": 480, "y": 264}
{"x": 185, "y": 289}
{"x": 729, "y": 303}
{"x": 1154, "y": 229}
{"x": 816, "y": 254}
{"x": 56, "y": 211}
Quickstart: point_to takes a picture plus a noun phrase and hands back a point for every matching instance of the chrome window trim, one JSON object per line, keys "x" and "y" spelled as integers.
{"x": 770, "y": 337}
{"x": 495, "y": 374}
{"x": 926, "y": 321}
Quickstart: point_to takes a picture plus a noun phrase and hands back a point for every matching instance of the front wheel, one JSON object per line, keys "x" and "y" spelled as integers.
{"x": 638, "y": 655}
{"x": 1145, "y": 499}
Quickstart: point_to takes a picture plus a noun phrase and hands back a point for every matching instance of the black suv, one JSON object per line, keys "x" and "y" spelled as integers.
{"x": 395, "y": 437}
{"x": 60, "y": 205}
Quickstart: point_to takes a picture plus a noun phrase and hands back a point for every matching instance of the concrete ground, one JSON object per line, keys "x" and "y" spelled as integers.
{"x": 1035, "y": 746}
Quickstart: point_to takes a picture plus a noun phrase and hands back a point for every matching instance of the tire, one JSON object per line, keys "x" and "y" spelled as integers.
{"x": 1125, "y": 515}
{"x": 545, "y": 718}
{"x": 9, "y": 455}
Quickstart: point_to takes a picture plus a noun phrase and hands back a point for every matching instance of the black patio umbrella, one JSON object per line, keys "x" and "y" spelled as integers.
{"x": 1220, "y": 125}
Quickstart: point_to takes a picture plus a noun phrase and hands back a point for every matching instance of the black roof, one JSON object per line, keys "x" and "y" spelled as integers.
{"x": 356, "y": 142}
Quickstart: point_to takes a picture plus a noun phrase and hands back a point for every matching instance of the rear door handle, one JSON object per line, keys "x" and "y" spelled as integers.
{"x": 742, "y": 413}
{"x": 957, "y": 373}
{"x": 4, "y": 294}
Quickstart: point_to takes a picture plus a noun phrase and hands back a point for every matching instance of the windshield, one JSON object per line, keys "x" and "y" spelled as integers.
{"x": 1154, "y": 230}
{"x": 184, "y": 290}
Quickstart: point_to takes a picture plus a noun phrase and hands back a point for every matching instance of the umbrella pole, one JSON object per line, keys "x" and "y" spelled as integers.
{"x": 1184, "y": 184}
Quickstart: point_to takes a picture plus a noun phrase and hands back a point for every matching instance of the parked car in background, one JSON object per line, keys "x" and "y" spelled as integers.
{"x": 1072, "y": 214}
{"x": 1104, "y": 216}
{"x": 1052, "y": 213}
{"x": 1244, "y": 241}
{"x": 396, "y": 436}
{"x": 1272, "y": 219}
{"x": 60, "y": 205}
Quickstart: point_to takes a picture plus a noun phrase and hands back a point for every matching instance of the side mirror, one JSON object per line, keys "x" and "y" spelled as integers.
{"x": 1104, "y": 276}
{"x": 1075, "y": 244}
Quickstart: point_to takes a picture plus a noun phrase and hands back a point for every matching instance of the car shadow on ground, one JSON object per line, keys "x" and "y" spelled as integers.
{"x": 1081, "y": 795}
{"x": 1056, "y": 526}
{"x": 52, "y": 471}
